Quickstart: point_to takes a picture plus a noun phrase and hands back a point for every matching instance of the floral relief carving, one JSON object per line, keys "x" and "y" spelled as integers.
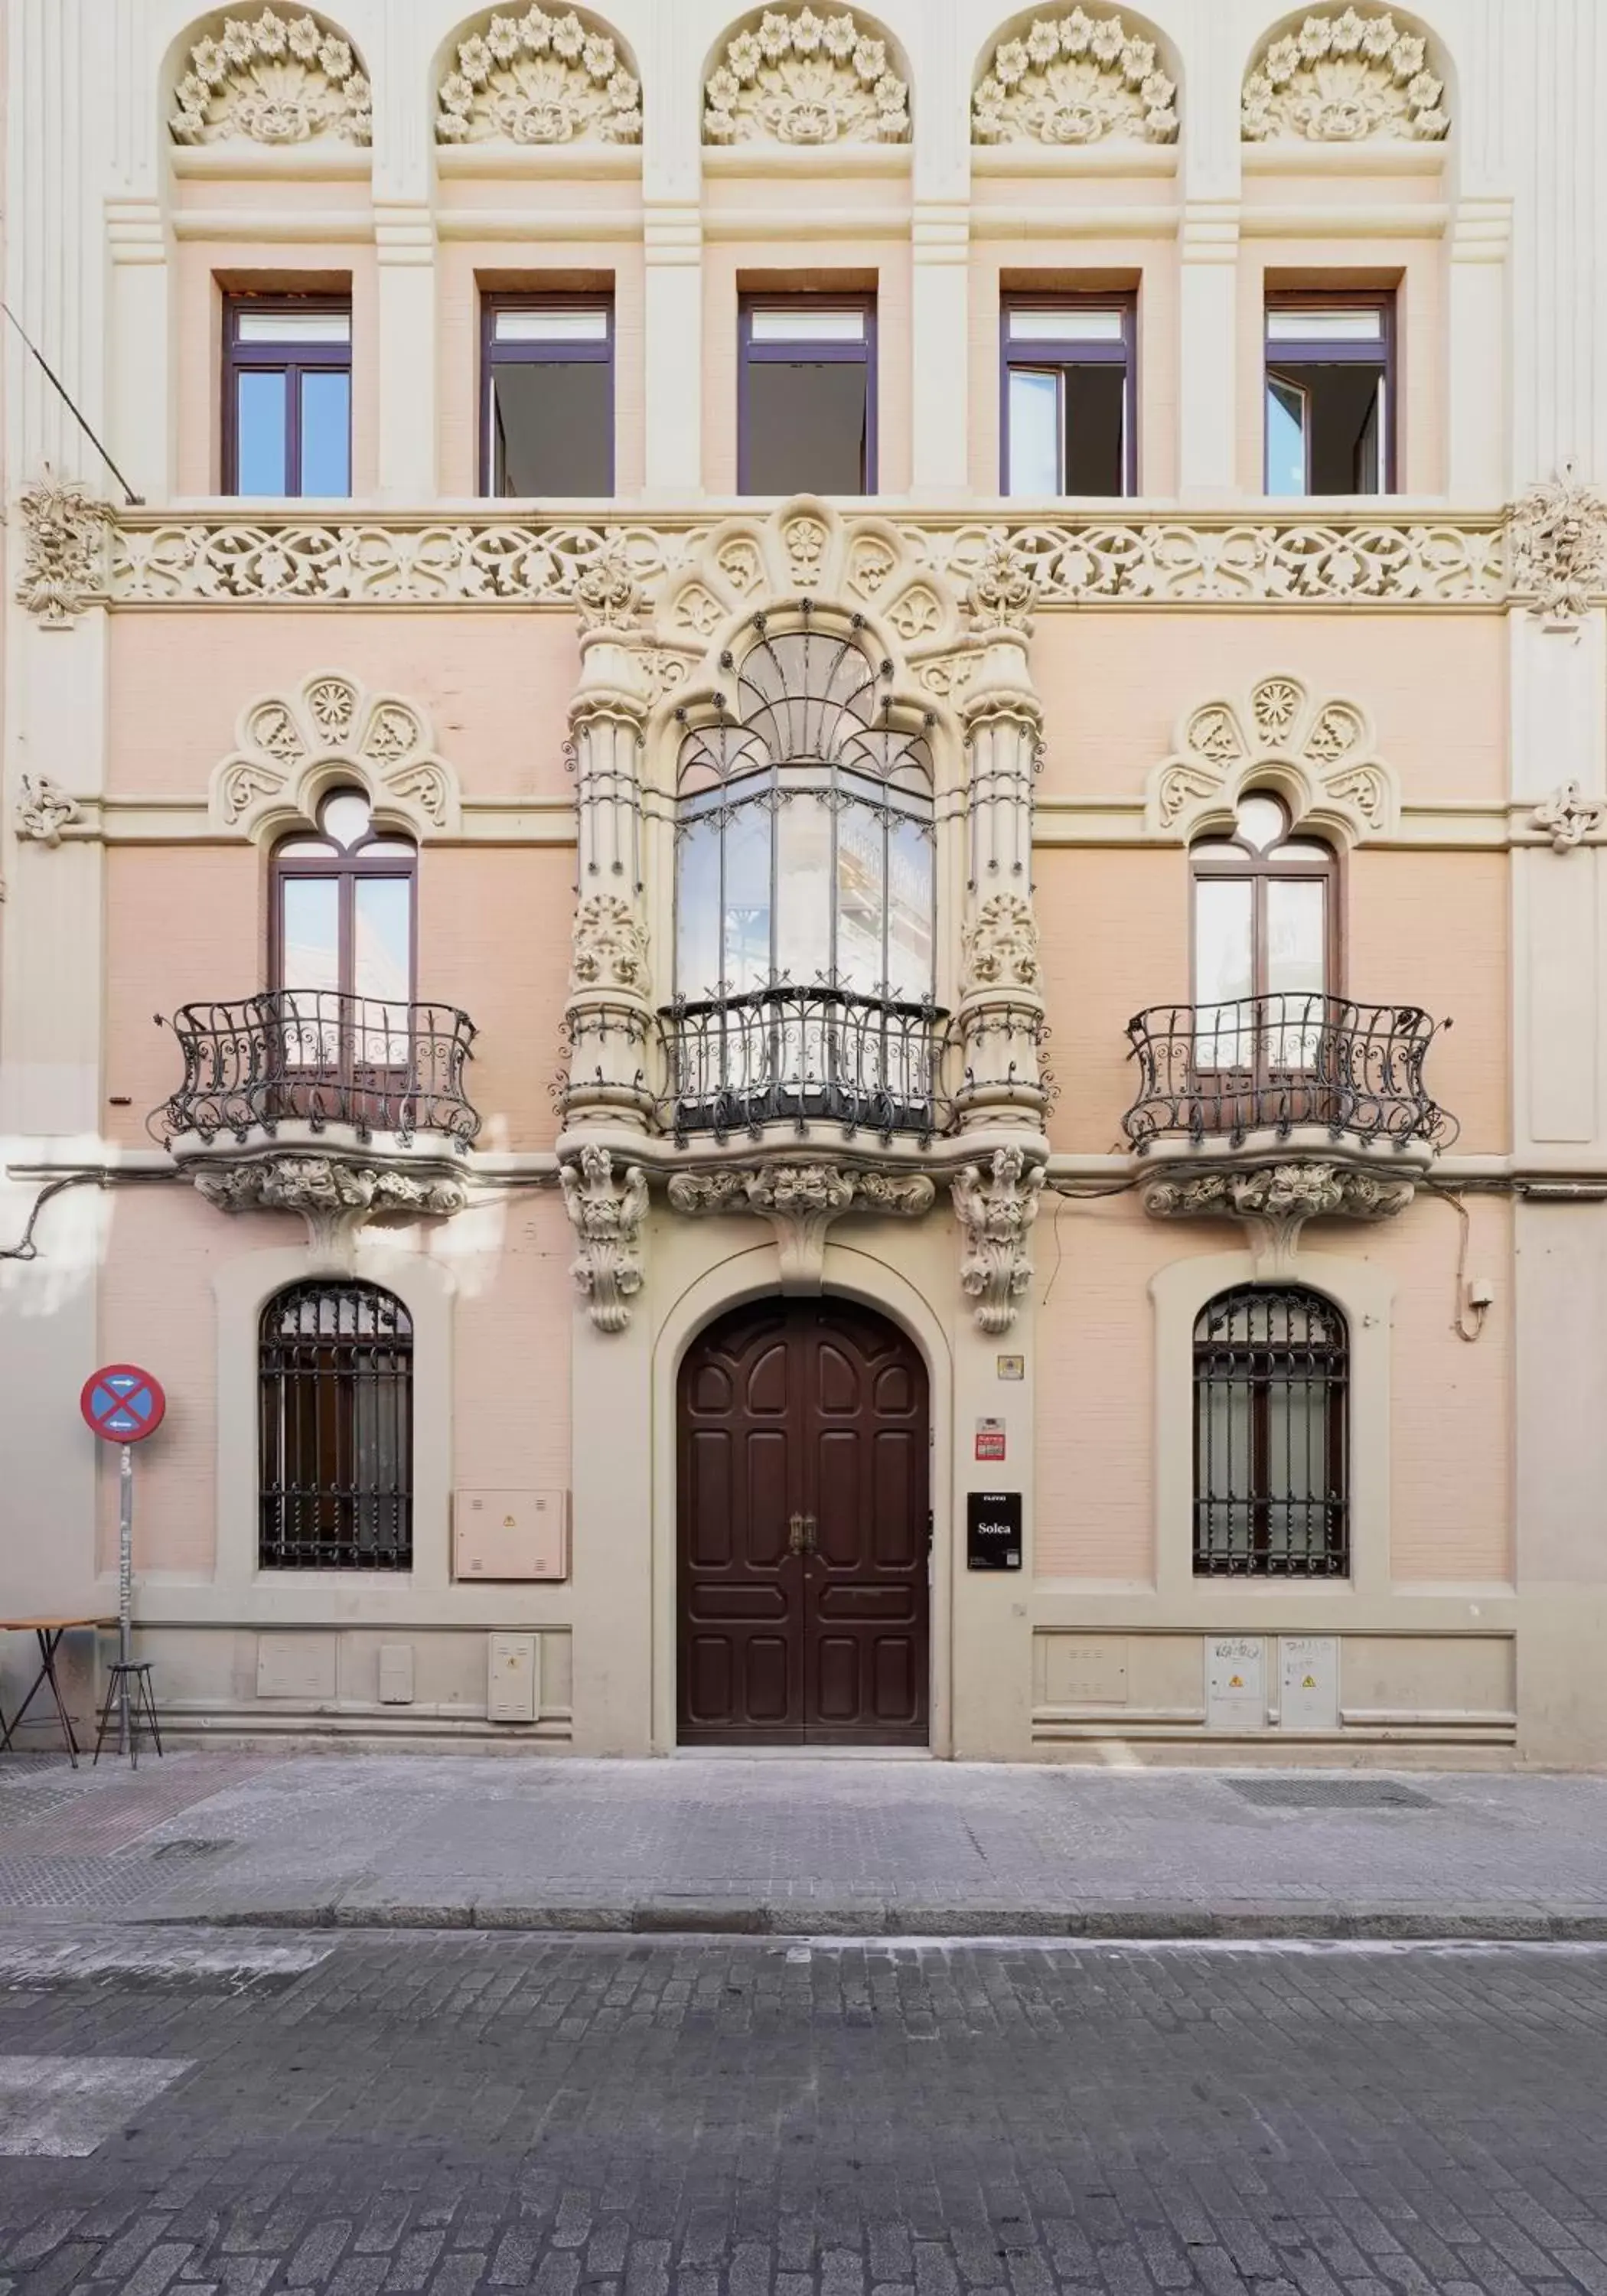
{"x": 609, "y": 946}
{"x": 332, "y": 1194}
{"x": 996, "y": 1215}
{"x": 1277, "y": 1199}
{"x": 1345, "y": 76}
{"x": 1002, "y": 590}
{"x": 606, "y": 1215}
{"x": 538, "y": 78}
{"x": 802, "y": 79}
{"x": 63, "y": 545}
{"x": 1319, "y": 755}
{"x": 801, "y": 1201}
{"x": 999, "y": 945}
{"x": 43, "y": 809}
{"x": 331, "y": 718}
{"x": 608, "y": 595}
{"x": 1075, "y": 80}
{"x": 1559, "y": 548}
{"x": 273, "y": 79}
{"x": 1568, "y": 817}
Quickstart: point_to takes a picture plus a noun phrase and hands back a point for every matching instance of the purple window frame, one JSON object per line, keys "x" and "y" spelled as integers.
{"x": 1039, "y": 356}
{"x": 1321, "y": 352}
{"x": 292, "y": 360}
{"x": 493, "y": 354}
{"x": 750, "y": 354}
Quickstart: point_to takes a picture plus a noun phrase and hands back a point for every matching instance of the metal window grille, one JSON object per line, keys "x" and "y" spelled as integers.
{"x": 335, "y": 1473}
{"x": 1271, "y": 1436}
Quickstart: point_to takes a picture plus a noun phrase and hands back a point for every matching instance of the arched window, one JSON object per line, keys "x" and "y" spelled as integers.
{"x": 335, "y": 1430}
{"x": 1271, "y": 1435}
{"x": 343, "y": 907}
{"x": 804, "y": 891}
{"x": 1264, "y": 943}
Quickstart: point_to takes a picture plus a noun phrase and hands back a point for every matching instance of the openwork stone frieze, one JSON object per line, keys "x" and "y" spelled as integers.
{"x": 996, "y": 1214}
{"x": 801, "y": 1201}
{"x": 1344, "y": 76}
{"x": 536, "y": 78}
{"x": 1276, "y": 1201}
{"x": 272, "y": 78}
{"x": 802, "y": 79}
{"x": 333, "y": 1194}
{"x": 1075, "y": 80}
{"x": 606, "y": 1215}
{"x": 1319, "y": 755}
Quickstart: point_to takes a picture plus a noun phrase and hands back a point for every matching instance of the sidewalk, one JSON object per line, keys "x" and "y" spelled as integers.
{"x": 791, "y": 1846}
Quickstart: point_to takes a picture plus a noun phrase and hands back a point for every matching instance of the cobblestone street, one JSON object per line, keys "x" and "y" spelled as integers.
{"x": 436, "y": 2115}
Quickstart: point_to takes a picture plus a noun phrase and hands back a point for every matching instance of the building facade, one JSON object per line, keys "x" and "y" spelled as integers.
{"x": 806, "y": 726}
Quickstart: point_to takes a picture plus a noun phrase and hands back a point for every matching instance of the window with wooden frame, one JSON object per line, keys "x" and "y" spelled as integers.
{"x": 1068, "y": 406}
{"x": 1331, "y": 394}
{"x": 335, "y": 1430}
{"x": 1265, "y": 942}
{"x": 341, "y": 940}
{"x": 806, "y": 394}
{"x": 287, "y": 395}
{"x": 1271, "y": 1435}
{"x": 547, "y": 368}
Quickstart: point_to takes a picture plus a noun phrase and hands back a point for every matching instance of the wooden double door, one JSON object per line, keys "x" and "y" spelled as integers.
{"x": 804, "y": 1535}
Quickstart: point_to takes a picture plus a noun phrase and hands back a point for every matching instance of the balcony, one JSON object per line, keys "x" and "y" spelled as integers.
{"x": 1276, "y": 1067}
{"x": 800, "y": 1056}
{"x": 320, "y": 1065}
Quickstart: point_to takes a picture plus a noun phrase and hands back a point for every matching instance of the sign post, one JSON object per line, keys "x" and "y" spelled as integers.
{"x": 122, "y": 1405}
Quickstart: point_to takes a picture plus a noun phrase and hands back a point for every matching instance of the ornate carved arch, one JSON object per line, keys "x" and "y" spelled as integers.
{"x": 276, "y": 76}
{"x": 538, "y": 76}
{"x": 1072, "y": 79}
{"x": 1346, "y": 75}
{"x": 794, "y": 77}
{"x": 293, "y": 748}
{"x": 1320, "y": 756}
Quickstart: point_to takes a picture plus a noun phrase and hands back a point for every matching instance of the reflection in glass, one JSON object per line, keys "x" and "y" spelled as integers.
{"x": 1224, "y": 969}
{"x": 1034, "y": 430}
{"x": 260, "y": 432}
{"x": 698, "y": 967}
{"x": 746, "y": 934}
{"x": 861, "y": 901}
{"x": 325, "y": 431}
{"x": 1286, "y": 438}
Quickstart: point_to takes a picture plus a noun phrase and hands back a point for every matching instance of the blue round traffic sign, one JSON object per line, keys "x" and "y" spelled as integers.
{"x": 122, "y": 1404}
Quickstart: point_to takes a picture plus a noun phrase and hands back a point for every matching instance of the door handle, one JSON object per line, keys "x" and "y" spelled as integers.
{"x": 811, "y": 1535}
{"x": 795, "y": 1534}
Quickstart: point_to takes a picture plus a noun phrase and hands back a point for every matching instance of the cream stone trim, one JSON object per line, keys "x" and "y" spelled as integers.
{"x": 1074, "y": 80}
{"x": 242, "y": 1287}
{"x": 793, "y": 76}
{"x": 1344, "y": 76}
{"x": 293, "y": 748}
{"x": 538, "y": 76}
{"x": 1179, "y": 1291}
{"x": 273, "y": 79}
{"x": 1320, "y": 758}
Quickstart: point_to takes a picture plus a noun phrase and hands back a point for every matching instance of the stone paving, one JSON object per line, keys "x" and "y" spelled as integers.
{"x": 353, "y": 2115}
{"x": 793, "y": 1846}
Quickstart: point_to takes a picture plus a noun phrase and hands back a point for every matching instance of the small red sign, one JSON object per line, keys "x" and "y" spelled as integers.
{"x": 122, "y": 1404}
{"x": 991, "y": 1439}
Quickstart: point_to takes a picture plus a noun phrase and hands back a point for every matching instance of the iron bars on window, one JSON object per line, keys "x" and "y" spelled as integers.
{"x": 1271, "y": 1439}
{"x": 335, "y": 1430}
{"x": 1273, "y": 1063}
{"x": 317, "y": 1057}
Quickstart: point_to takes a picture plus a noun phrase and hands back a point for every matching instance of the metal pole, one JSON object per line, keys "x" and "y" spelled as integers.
{"x": 124, "y": 1587}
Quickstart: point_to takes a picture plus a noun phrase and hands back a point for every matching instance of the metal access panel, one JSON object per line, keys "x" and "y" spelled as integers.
{"x": 511, "y": 1679}
{"x": 396, "y": 1673}
{"x": 511, "y": 1535}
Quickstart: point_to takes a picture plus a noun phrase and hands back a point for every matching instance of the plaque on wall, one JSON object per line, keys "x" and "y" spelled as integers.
{"x": 993, "y": 1531}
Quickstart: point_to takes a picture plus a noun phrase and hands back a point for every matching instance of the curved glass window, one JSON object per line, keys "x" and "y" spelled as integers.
{"x": 804, "y": 851}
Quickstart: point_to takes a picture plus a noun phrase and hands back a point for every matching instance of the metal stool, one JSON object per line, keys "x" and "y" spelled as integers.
{"x": 140, "y": 1704}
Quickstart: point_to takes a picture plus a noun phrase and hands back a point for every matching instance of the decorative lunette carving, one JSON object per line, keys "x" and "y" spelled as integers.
{"x": 801, "y": 1201}
{"x": 333, "y": 1195}
{"x": 797, "y": 77}
{"x": 382, "y": 738}
{"x": 606, "y": 1215}
{"x": 1559, "y": 548}
{"x": 1277, "y": 1199}
{"x": 995, "y": 1216}
{"x": 1320, "y": 755}
{"x": 1568, "y": 817}
{"x": 1345, "y": 76}
{"x": 1075, "y": 80}
{"x": 43, "y": 809}
{"x": 273, "y": 79}
{"x": 64, "y": 552}
{"x": 540, "y": 78}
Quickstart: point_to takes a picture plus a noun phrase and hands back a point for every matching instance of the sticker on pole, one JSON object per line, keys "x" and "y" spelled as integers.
{"x": 122, "y": 1404}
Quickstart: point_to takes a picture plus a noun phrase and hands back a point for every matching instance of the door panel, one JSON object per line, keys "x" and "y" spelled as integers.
{"x": 803, "y": 1537}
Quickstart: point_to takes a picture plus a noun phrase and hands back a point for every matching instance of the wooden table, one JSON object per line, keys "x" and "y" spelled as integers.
{"x": 48, "y": 1633}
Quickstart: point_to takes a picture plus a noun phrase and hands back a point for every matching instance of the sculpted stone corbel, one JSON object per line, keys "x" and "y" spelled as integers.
{"x": 996, "y": 1214}
{"x": 801, "y": 1201}
{"x": 1276, "y": 1201}
{"x": 63, "y": 541}
{"x": 606, "y": 1215}
{"x": 333, "y": 1196}
{"x": 43, "y": 809}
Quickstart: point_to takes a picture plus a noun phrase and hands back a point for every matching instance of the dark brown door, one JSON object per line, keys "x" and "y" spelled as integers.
{"x": 804, "y": 1531}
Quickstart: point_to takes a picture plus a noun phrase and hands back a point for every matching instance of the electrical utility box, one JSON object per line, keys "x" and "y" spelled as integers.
{"x": 506, "y": 1535}
{"x": 511, "y": 1688}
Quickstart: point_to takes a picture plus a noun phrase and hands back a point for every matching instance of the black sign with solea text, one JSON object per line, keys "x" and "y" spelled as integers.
{"x": 993, "y": 1531}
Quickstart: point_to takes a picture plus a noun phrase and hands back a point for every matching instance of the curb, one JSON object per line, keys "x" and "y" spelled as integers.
{"x": 1133, "y": 1923}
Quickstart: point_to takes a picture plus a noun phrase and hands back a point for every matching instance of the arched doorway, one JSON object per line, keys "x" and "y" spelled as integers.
{"x": 803, "y": 1593}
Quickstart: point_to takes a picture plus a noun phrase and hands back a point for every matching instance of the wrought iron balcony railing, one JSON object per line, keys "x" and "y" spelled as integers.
{"x": 1277, "y": 1063}
{"x": 316, "y": 1057}
{"x": 799, "y": 1055}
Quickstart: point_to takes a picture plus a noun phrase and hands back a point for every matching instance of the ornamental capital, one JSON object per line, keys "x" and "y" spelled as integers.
{"x": 1558, "y": 534}
{"x": 64, "y": 540}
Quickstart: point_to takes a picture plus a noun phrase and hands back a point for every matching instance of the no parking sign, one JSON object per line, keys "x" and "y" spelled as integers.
{"x": 122, "y": 1404}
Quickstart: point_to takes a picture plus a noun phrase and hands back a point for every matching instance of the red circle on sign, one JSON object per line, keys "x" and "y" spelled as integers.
{"x": 122, "y": 1404}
